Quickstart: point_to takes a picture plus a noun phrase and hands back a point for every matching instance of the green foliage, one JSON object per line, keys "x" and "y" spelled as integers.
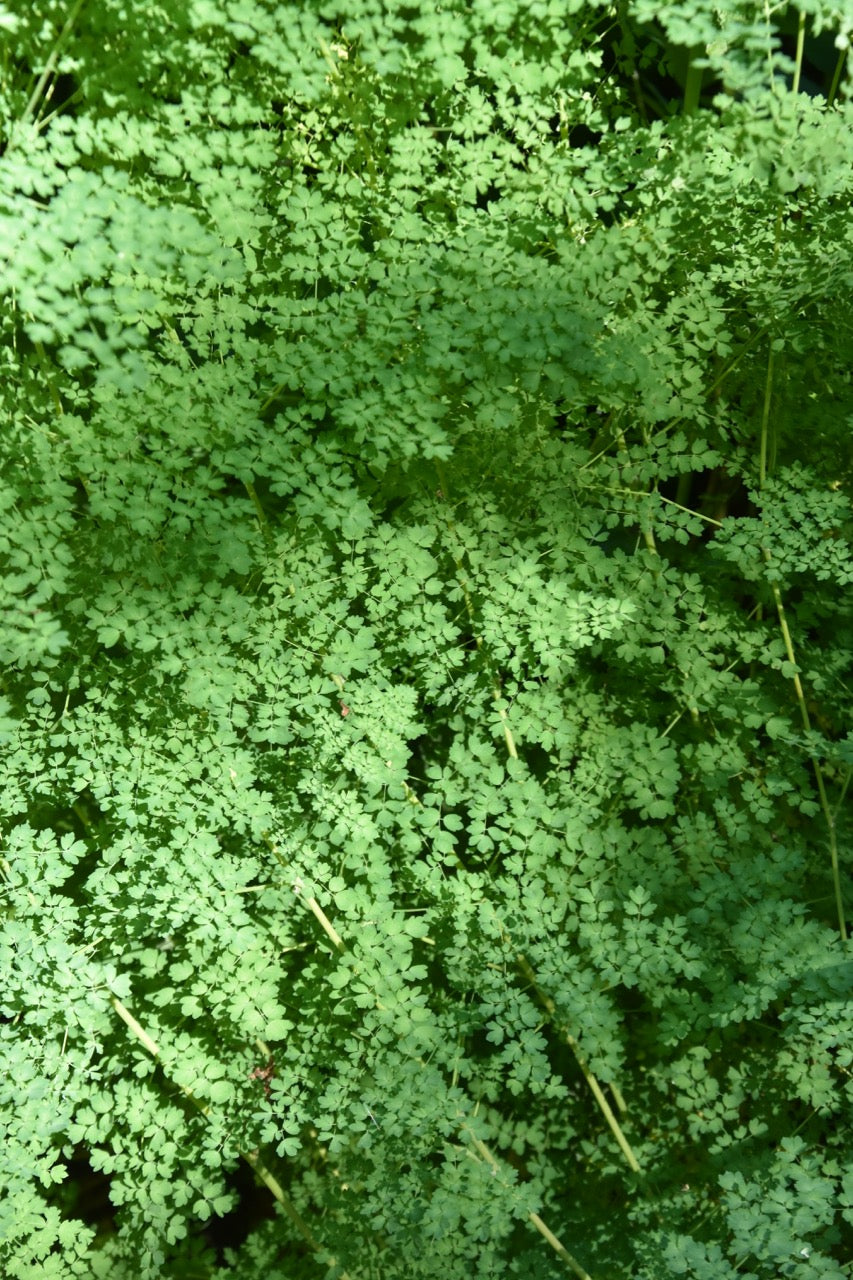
{"x": 425, "y": 551}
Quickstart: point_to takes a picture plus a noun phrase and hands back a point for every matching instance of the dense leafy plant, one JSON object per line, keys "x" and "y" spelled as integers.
{"x": 426, "y": 639}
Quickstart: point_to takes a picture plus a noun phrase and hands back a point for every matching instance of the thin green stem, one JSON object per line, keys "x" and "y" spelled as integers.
{"x": 560, "y": 1249}
{"x": 663, "y": 432}
{"x": 49, "y": 378}
{"x": 798, "y": 61}
{"x": 606, "y": 1110}
{"x": 512, "y": 750}
{"x": 765, "y": 422}
{"x": 692, "y": 83}
{"x": 252, "y": 1158}
{"x": 337, "y": 79}
{"x": 641, "y": 493}
{"x": 667, "y": 430}
{"x": 766, "y": 461}
{"x": 629, "y": 46}
{"x": 836, "y": 77}
{"x": 621, "y": 1104}
{"x": 843, "y": 792}
{"x": 545, "y": 1231}
{"x": 646, "y": 530}
{"x": 340, "y": 946}
{"x": 828, "y": 814}
{"x": 72, "y": 98}
{"x": 263, "y": 524}
{"x": 50, "y": 65}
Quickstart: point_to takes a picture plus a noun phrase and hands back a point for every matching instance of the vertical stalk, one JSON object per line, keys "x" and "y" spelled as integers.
{"x": 511, "y": 748}
{"x": 50, "y": 66}
{"x": 545, "y": 999}
{"x": 560, "y": 1249}
{"x": 544, "y": 1231}
{"x": 836, "y": 77}
{"x": 765, "y": 421}
{"x": 618, "y": 1098}
{"x": 692, "y": 83}
{"x": 647, "y": 532}
{"x": 829, "y": 816}
{"x": 629, "y": 45}
{"x": 801, "y": 40}
{"x": 263, "y": 523}
{"x": 799, "y": 692}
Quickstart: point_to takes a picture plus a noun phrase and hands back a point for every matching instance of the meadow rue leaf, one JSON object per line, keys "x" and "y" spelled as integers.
{"x": 425, "y": 543}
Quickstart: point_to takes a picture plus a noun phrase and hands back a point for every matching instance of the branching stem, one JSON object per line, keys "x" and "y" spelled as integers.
{"x": 50, "y": 65}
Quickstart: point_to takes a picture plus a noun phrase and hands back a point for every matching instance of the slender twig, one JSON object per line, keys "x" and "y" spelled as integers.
{"x": 551, "y": 1009}
{"x": 670, "y": 426}
{"x": 843, "y": 792}
{"x": 618, "y": 1098}
{"x": 324, "y": 921}
{"x": 642, "y": 493}
{"x": 816, "y": 765}
{"x": 544, "y": 999}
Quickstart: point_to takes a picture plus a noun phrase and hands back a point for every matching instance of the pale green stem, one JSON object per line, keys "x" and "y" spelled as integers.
{"x": 836, "y": 77}
{"x": 690, "y": 512}
{"x": 799, "y": 692}
{"x": 641, "y": 493}
{"x": 559, "y": 1248}
{"x": 251, "y": 1157}
{"x": 801, "y": 40}
{"x": 511, "y": 748}
{"x": 765, "y": 422}
{"x": 843, "y": 791}
{"x": 605, "y": 1107}
{"x": 331, "y": 932}
{"x": 692, "y": 83}
{"x": 324, "y": 922}
{"x": 546, "y": 1001}
{"x": 337, "y": 79}
{"x": 673, "y": 722}
{"x": 545, "y": 1231}
{"x": 43, "y": 361}
{"x": 663, "y": 432}
{"x": 818, "y": 771}
{"x": 282, "y": 386}
{"x": 621, "y": 1104}
{"x": 259, "y": 510}
{"x": 311, "y": 903}
{"x": 50, "y": 65}
{"x": 630, "y": 47}
{"x": 648, "y": 534}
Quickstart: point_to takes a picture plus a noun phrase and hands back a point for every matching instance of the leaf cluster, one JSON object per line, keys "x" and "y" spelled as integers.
{"x": 425, "y": 698}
